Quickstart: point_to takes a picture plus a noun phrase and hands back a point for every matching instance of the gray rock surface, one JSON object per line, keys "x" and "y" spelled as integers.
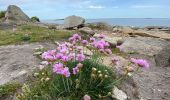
{"x": 17, "y": 61}
{"x": 157, "y": 48}
{"x": 15, "y": 14}
{"x": 71, "y": 22}
{"x": 118, "y": 94}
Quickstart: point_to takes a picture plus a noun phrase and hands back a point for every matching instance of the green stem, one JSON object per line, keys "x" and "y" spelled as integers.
{"x": 68, "y": 85}
{"x": 64, "y": 83}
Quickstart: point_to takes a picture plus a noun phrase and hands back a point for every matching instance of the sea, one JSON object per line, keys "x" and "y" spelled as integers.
{"x": 133, "y": 22}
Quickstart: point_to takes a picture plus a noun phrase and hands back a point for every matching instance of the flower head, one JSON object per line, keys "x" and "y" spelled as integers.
{"x": 57, "y": 68}
{"x": 87, "y": 97}
{"x": 92, "y": 39}
{"x": 140, "y": 62}
{"x": 80, "y": 57}
{"x": 49, "y": 55}
{"x": 64, "y": 58}
{"x": 84, "y": 42}
{"x": 75, "y": 70}
{"x": 101, "y": 36}
{"x": 66, "y": 72}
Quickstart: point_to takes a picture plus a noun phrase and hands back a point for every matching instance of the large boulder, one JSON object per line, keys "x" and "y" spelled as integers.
{"x": 86, "y": 30}
{"x": 73, "y": 21}
{"x": 15, "y": 14}
{"x": 157, "y": 48}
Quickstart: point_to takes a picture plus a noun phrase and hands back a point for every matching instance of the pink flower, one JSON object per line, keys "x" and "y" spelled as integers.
{"x": 49, "y": 55}
{"x": 84, "y": 42}
{"x": 71, "y": 56}
{"x": 80, "y": 57}
{"x": 140, "y": 62}
{"x": 57, "y": 68}
{"x": 86, "y": 97}
{"x": 71, "y": 39}
{"x": 64, "y": 50}
{"x": 101, "y": 36}
{"x": 66, "y": 72}
{"x": 92, "y": 39}
{"x": 59, "y": 56}
{"x": 64, "y": 58}
{"x": 77, "y": 37}
{"x": 75, "y": 70}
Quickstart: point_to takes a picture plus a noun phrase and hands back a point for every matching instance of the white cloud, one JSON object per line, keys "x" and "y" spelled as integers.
{"x": 96, "y": 7}
{"x": 145, "y": 6}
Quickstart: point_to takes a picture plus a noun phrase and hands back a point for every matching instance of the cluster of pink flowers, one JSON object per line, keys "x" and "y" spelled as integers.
{"x": 66, "y": 52}
{"x": 140, "y": 62}
{"x": 101, "y": 45}
{"x": 60, "y": 69}
{"x": 49, "y": 55}
{"x": 75, "y": 38}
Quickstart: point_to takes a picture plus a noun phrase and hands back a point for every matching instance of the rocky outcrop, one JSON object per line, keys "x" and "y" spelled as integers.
{"x": 86, "y": 30}
{"x": 157, "y": 48}
{"x": 124, "y": 30}
{"x": 153, "y": 34}
{"x": 15, "y": 14}
{"x": 17, "y": 61}
{"x": 100, "y": 26}
{"x": 73, "y": 22}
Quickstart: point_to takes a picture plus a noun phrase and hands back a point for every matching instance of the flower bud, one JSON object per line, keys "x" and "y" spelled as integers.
{"x": 100, "y": 96}
{"x": 109, "y": 93}
{"x": 47, "y": 79}
{"x": 42, "y": 79}
{"x": 36, "y": 74}
{"x": 99, "y": 72}
{"x": 100, "y": 75}
{"x": 94, "y": 69}
{"x": 43, "y": 73}
{"x": 106, "y": 76}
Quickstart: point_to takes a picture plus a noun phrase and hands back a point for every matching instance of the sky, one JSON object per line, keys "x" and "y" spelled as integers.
{"x": 56, "y": 9}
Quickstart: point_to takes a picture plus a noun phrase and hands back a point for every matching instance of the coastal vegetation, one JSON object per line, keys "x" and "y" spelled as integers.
{"x": 35, "y": 19}
{"x": 2, "y": 14}
{"x": 69, "y": 74}
{"x": 30, "y": 33}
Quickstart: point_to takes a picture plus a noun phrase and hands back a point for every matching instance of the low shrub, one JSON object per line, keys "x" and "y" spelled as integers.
{"x": 35, "y": 19}
{"x": 25, "y": 37}
{"x": 8, "y": 89}
{"x": 2, "y": 14}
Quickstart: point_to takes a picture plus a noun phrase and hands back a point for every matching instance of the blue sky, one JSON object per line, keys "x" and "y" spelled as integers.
{"x": 53, "y": 9}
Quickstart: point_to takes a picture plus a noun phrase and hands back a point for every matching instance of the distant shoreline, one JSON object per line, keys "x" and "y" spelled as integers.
{"x": 133, "y": 22}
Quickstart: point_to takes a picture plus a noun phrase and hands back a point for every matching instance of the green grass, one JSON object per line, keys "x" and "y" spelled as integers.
{"x": 8, "y": 89}
{"x": 77, "y": 86}
{"x": 30, "y": 34}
